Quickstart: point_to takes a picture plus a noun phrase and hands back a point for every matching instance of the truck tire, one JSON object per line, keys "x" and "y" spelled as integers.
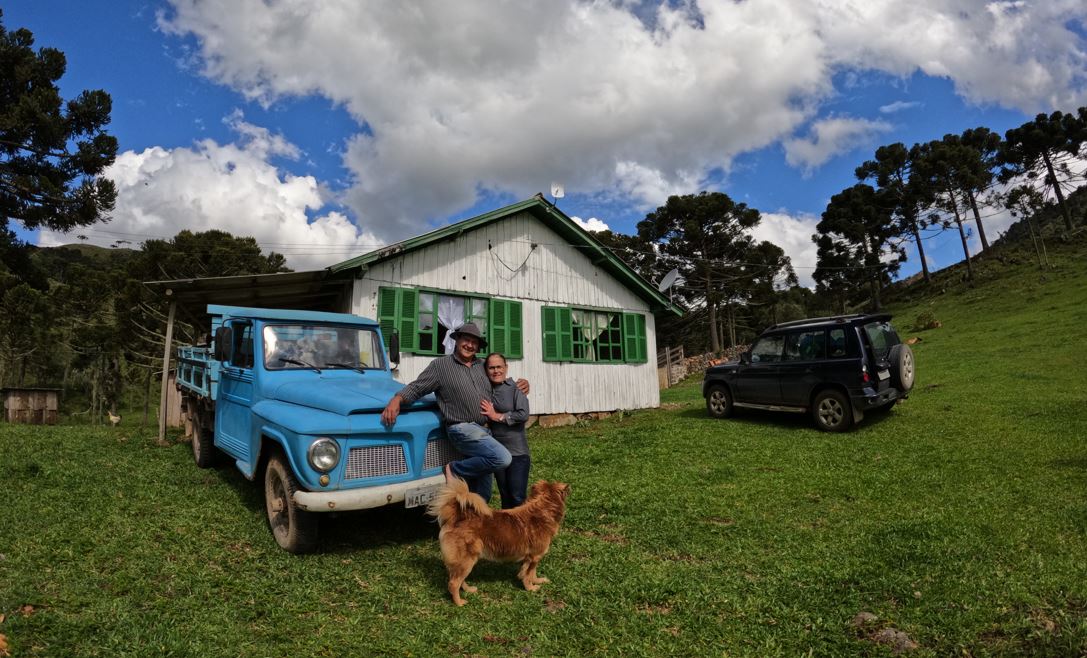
{"x": 719, "y": 401}
{"x": 204, "y": 452}
{"x": 903, "y": 370}
{"x": 295, "y": 530}
{"x": 832, "y": 411}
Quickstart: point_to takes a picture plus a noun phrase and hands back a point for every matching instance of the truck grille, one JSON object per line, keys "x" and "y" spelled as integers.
{"x": 376, "y": 461}
{"x": 439, "y": 452}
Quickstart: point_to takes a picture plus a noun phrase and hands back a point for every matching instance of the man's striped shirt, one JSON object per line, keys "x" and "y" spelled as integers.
{"x": 458, "y": 387}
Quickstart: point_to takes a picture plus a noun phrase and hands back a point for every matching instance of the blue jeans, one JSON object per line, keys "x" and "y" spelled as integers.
{"x": 483, "y": 456}
{"x": 513, "y": 482}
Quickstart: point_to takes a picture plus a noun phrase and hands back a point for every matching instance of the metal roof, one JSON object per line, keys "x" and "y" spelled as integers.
{"x": 553, "y": 218}
{"x": 317, "y": 290}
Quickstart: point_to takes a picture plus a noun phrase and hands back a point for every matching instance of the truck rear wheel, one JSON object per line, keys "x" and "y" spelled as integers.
{"x": 295, "y": 530}
{"x": 204, "y": 452}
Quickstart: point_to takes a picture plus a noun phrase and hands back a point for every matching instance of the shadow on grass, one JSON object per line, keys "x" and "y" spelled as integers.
{"x": 781, "y": 419}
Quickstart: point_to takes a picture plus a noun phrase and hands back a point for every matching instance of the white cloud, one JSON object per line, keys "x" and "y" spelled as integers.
{"x": 458, "y": 98}
{"x": 831, "y": 137}
{"x": 227, "y": 187}
{"x": 898, "y": 106}
{"x": 793, "y": 234}
{"x": 592, "y": 224}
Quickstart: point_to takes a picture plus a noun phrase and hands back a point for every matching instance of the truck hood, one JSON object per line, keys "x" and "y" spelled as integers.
{"x": 345, "y": 396}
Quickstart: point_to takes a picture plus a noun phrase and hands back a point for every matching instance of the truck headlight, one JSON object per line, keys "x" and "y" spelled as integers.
{"x": 324, "y": 454}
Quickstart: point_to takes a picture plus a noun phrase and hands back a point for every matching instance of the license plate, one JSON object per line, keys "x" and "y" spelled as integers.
{"x": 420, "y": 496}
{"x": 884, "y": 374}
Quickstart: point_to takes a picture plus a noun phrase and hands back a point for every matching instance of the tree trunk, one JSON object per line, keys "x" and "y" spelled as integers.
{"x": 715, "y": 339}
{"x": 920, "y": 250}
{"x": 977, "y": 218}
{"x": 873, "y": 277}
{"x": 962, "y": 232}
{"x": 1057, "y": 190}
{"x": 147, "y": 398}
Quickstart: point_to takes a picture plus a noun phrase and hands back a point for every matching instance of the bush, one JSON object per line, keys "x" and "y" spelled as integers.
{"x": 926, "y": 320}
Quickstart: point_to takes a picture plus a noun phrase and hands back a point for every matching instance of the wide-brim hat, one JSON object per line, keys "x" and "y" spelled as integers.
{"x": 470, "y": 329}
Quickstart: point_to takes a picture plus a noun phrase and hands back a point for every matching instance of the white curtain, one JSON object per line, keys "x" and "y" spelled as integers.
{"x": 586, "y": 323}
{"x": 451, "y": 315}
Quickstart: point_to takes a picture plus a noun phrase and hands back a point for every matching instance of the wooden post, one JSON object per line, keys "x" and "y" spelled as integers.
{"x": 166, "y": 369}
{"x": 668, "y": 364}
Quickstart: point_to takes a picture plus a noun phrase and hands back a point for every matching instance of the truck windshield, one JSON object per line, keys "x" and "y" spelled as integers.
{"x": 302, "y": 346}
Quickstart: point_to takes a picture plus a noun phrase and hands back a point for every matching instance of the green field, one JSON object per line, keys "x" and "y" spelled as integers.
{"x": 959, "y": 519}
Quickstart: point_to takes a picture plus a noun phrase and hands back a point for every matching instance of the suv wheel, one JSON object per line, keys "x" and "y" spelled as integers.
{"x": 902, "y": 367}
{"x": 719, "y": 401}
{"x": 832, "y": 411}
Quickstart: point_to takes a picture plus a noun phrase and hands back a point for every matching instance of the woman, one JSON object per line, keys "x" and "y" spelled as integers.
{"x": 507, "y": 411}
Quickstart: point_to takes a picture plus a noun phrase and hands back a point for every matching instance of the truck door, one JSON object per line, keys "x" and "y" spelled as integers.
{"x": 233, "y": 420}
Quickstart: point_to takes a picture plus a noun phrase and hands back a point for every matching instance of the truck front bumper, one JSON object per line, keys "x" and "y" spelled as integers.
{"x": 355, "y": 499}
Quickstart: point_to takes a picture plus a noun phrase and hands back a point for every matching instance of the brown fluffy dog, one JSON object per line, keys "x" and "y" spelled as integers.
{"x": 471, "y": 530}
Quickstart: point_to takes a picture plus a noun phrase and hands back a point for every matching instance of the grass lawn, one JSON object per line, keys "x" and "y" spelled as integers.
{"x": 958, "y": 519}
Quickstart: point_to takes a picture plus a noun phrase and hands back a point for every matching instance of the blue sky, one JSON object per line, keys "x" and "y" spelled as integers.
{"x": 327, "y": 129}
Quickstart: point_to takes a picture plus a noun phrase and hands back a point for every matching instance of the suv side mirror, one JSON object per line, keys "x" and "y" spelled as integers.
{"x": 394, "y": 350}
{"x": 224, "y": 338}
{"x": 745, "y": 357}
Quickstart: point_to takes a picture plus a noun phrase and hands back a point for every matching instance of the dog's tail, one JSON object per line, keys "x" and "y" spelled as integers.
{"x": 454, "y": 503}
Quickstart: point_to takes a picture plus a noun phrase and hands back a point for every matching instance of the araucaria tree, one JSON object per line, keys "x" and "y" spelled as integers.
{"x": 706, "y": 236}
{"x": 1041, "y": 145}
{"x": 906, "y": 196}
{"x": 51, "y": 151}
{"x": 853, "y": 239}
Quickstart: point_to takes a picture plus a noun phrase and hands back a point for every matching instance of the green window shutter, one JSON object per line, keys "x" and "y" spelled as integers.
{"x": 407, "y": 319}
{"x": 388, "y": 300}
{"x": 513, "y": 316}
{"x": 498, "y": 337}
{"x": 505, "y": 328}
{"x": 557, "y": 334}
{"x": 397, "y": 312}
{"x": 634, "y": 339}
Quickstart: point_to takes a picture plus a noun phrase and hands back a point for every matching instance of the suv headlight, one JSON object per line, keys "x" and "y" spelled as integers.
{"x": 324, "y": 454}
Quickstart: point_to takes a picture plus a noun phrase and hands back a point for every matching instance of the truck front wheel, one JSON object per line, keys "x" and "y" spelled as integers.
{"x": 295, "y": 530}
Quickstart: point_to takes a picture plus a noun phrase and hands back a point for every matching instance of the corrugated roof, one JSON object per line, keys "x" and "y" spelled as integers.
{"x": 552, "y": 217}
{"x": 316, "y": 290}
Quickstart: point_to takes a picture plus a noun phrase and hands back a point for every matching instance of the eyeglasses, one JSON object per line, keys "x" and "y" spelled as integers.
{"x": 501, "y": 367}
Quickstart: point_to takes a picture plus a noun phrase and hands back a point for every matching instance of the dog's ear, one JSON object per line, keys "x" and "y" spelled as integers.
{"x": 564, "y": 489}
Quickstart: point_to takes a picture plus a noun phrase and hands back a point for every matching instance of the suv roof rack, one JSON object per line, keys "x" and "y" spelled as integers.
{"x": 841, "y": 319}
{"x": 829, "y": 318}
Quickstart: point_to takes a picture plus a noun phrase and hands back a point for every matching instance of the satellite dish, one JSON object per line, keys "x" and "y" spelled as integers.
{"x": 557, "y": 190}
{"x": 668, "y": 280}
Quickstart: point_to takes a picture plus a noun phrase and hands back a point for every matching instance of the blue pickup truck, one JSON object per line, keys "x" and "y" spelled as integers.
{"x": 294, "y": 398}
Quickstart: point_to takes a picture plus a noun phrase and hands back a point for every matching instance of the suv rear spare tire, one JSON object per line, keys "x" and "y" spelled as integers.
{"x": 902, "y": 368}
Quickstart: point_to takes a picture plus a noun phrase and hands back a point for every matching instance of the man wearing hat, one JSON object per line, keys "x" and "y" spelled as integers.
{"x": 460, "y": 383}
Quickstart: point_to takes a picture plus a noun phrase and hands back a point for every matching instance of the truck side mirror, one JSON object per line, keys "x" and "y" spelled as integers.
{"x": 745, "y": 357}
{"x": 224, "y": 337}
{"x": 394, "y": 349}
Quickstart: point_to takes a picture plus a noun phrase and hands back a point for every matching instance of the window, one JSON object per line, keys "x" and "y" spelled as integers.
{"x": 805, "y": 345}
{"x": 767, "y": 350}
{"x": 296, "y": 346}
{"x": 424, "y": 319}
{"x": 242, "y": 352}
{"x": 592, "y": 336}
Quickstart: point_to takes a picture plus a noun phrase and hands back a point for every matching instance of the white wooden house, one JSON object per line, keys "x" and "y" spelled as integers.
{"x": 571, "y": 318}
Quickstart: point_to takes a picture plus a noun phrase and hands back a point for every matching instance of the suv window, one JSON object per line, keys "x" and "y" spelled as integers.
{"x": 767, "y": 349}
{"x": 882, "y": 337}
{"x": 805, "y": 345}
{"x": 838, "y": 346}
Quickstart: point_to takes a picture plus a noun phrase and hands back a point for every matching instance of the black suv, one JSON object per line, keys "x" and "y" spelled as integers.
{"x": 836, "y": 368}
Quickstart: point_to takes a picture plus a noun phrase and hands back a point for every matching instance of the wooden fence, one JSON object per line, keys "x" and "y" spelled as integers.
{"x": 671, "y": 366}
